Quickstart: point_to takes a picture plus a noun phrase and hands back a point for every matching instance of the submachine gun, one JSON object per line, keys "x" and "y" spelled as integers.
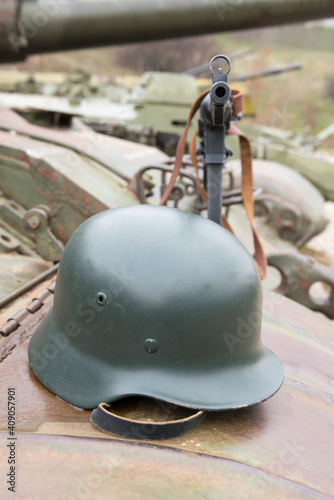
{"x": 219, "y": 107}
{"x": 214, "y": 123}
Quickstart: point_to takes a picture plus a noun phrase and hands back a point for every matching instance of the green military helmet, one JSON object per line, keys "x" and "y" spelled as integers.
{"x": 157, "y": 302}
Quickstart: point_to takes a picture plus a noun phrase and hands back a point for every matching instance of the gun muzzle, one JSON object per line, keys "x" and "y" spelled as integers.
{"x": 220, "y": 93}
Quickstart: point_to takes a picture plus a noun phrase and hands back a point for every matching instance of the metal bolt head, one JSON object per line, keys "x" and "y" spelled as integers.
{"x": 151, "y": 346}
{"x": 33, "y": 221}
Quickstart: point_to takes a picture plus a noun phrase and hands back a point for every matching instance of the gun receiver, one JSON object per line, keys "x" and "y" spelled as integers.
{"x": 215, "y": 118}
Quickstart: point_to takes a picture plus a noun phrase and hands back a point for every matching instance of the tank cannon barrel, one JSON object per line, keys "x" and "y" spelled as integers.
{"x": 40, "y": 26}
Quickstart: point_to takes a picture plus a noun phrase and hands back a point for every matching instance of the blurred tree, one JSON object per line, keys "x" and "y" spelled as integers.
{"x": 170, "y": 55}
{"x": 330, "y": 87}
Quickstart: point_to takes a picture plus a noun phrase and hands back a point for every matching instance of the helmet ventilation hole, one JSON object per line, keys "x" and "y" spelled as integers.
{"x": 101, "y": 299}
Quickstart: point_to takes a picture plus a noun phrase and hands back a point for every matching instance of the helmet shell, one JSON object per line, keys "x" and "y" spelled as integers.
{"x": 157, "y": 302}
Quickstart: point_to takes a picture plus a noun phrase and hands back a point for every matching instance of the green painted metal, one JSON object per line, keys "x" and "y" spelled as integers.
{"x": 289, "y": 203}
{"x": 12, "y": 44}
{"x": 34, "y": 26}
{"x": 160, "y": 100}
{"x": 155, "y": 112}
{"x": 41, "y": 166}
{"x": 36, "y": 172}
{"x": 299, "y": 273}
{"x": 52, "y": 170}
{"x": 163, "y": 100}
{"x": 54, "y": 26}
{"x": 17, "y": 270}
{"x": 205, "y": 320}
{"x": 90, "y": 107}
{"x": 28, "y": 285}
{"x": 295, "y": 151}
{"x": 44, "y": 170}
{"x": 317, "y": 167}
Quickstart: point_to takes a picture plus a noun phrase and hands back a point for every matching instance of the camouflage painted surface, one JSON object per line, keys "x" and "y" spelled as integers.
{"x": 274, "y": 450}
{"x": 317, "y": 167}
{"x": 295, "y": 152}
{"x": 295, "y": 273}
{"x": 43, "y": 200}
{"x": 273, "y": 445}
{"x": 288, "y": 202}
{"x": 40, "y": 166}
{"x": 43, "y": 171}
{"x": 17, "y": 269}
{"x": 154, "y": 112}
{"x": 299, "y": 273}
{"x": 160, "y": 103}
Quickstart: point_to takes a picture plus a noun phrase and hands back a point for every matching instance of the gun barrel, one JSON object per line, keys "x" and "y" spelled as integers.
{"x": 278, "y": 70}
{"x": 57, "y": 25}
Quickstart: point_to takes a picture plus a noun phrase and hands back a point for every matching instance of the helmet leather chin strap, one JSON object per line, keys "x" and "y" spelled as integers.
{"x": 104, "y": 419}
{"x": 246, "y": 157}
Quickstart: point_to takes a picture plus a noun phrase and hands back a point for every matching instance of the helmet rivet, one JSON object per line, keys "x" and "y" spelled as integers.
{"x": 151, "y": 346}
{"x": 101, "y": 299}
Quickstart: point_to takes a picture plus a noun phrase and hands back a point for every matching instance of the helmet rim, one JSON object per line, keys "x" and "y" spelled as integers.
{"x": 74, "y": 378}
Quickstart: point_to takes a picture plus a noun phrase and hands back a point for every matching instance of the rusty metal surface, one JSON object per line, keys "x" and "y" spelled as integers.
{"x": 18, "y": 269}
{"x": 72, "y": 198}
{"x": 88, "y": 143}
{"x": 299, "y": 274}
{"x": 289, "y": 203}
{"x": 71, "y": 468}
{"x": 295, "y": 272}
{"x": 16, "y": 320}
{"x": 22, "y": 302}
{"x": 287, "y": 217}
{"x": 283, "y": 214}
{"x": 276, "y": 438}
{"x": 37, "y": 220}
